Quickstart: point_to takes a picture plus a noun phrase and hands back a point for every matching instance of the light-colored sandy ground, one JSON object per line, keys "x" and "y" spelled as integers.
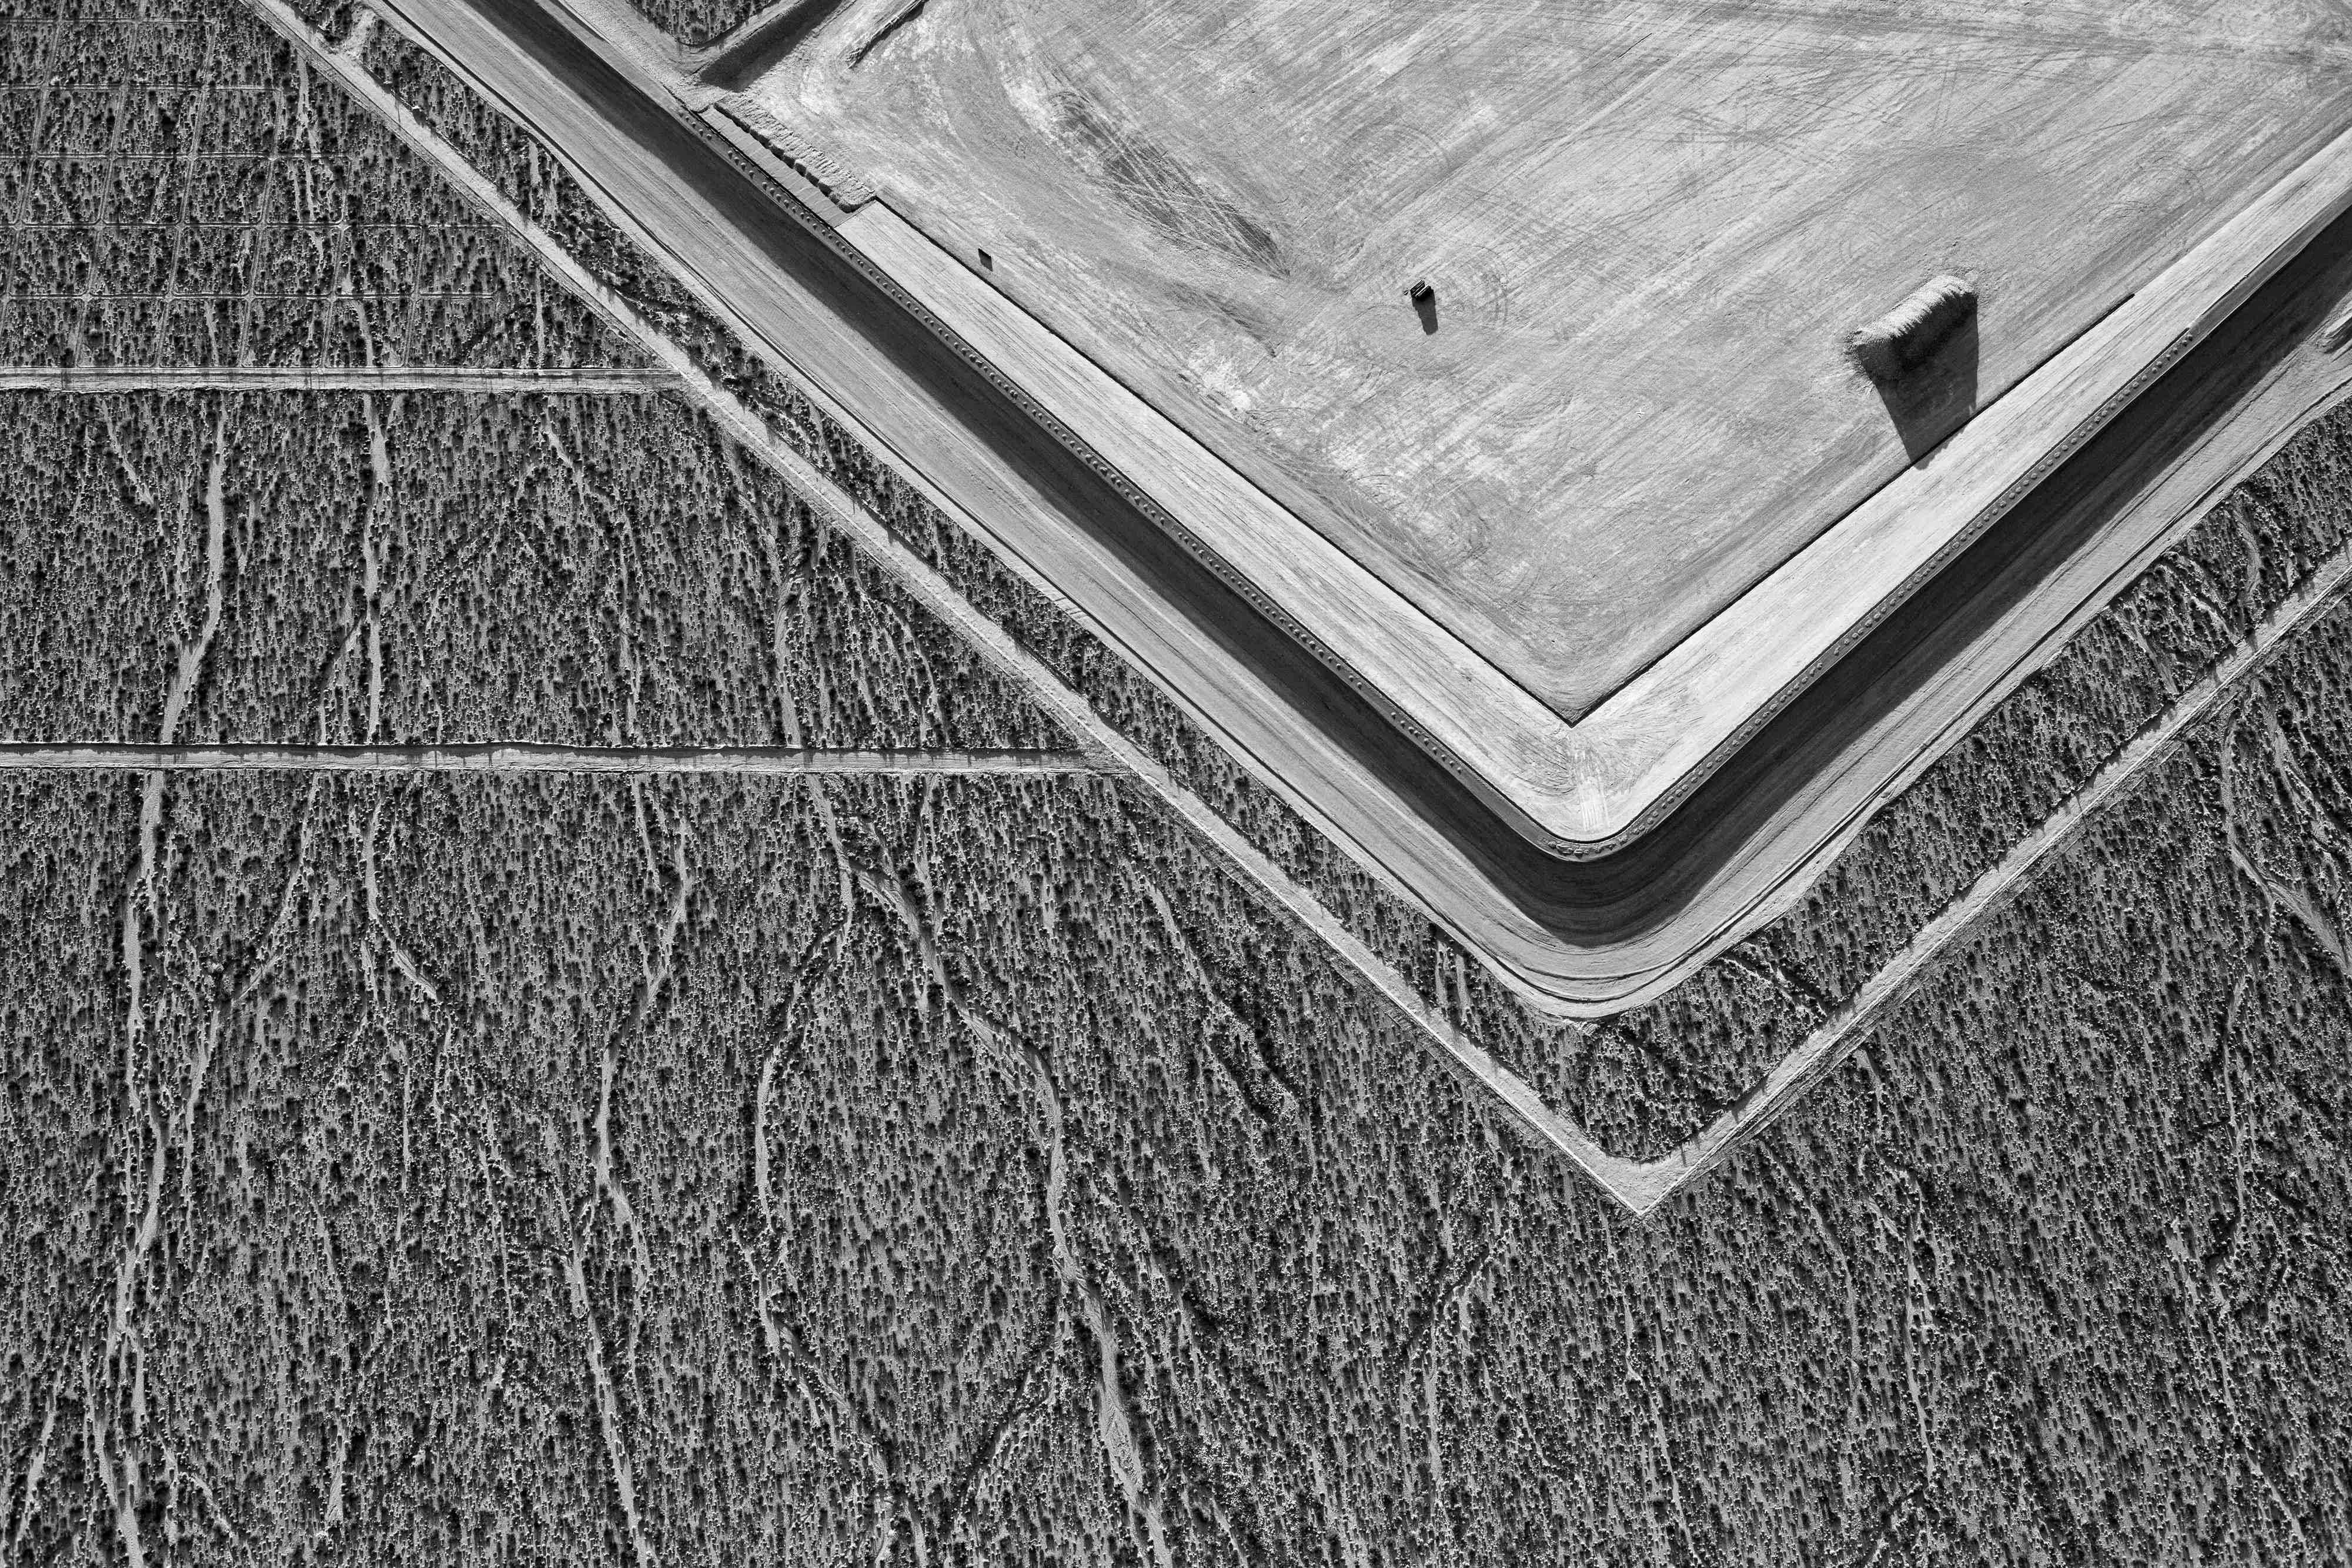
{"x": 1649, "y": 227}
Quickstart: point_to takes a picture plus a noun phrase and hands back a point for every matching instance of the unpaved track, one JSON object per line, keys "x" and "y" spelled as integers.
{"x": 515, "y": 757}
{"x": 615, "y": 382}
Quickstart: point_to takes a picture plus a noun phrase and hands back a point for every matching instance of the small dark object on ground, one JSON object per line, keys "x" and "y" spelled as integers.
{"x": 1424, "y": 303}
{"x": 1904, "y": 337}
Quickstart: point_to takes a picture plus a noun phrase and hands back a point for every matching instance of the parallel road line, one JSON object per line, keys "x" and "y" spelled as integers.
{"x": 521, "y": 757}
{"x": 619, "y": 381}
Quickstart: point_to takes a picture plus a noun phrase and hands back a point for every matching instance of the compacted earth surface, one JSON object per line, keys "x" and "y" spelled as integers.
{"x": 1645, "y": 229}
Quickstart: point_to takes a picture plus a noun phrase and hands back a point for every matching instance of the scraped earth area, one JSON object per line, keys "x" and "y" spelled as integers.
{"x": 1646, "y": 230}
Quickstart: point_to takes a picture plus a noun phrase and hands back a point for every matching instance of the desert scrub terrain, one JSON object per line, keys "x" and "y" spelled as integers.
{"x": 178, "y": 190}
{"x": 967, "y": 1170}
{"x": 973, "y": 1170}
{"x": 448, "y": 567}
{"x": 695, "y": 22}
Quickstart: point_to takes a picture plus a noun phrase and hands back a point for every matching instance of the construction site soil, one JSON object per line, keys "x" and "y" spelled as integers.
{"x": 968, "y": 1169}
{"x": 1646, "y": 233}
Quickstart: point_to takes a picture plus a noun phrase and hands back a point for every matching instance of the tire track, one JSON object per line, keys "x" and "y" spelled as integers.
{"x": 122, "y": 1362}
{"x": 523, "y": 757}
{"x": 1116, "y": 1422}
{"x": 305, "y": 379}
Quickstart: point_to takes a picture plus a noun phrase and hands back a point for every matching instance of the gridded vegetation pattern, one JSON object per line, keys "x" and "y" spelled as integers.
{"x": 445, "y": 567}
{"x": 966, "y": 1171}
{"x": 176, "y": 189}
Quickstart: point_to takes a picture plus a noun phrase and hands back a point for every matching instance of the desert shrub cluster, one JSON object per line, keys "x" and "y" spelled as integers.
{"x": 439, "y": 568}
{"x": 968, "y": 1170}
{"x": 180, "y": 190}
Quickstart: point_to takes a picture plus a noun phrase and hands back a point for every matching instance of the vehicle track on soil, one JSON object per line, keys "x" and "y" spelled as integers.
{"x": 521, "y": 757}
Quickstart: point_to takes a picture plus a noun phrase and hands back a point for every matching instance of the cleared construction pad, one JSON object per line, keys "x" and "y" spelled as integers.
{"x": 1647, "y": 230}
